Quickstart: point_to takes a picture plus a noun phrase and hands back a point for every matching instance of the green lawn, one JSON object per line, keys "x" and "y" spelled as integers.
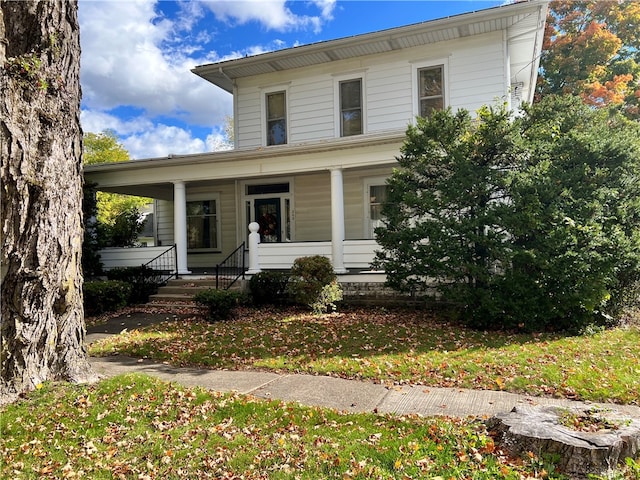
{"x": 136, "y": 427}
{"x": 396, "y": 347}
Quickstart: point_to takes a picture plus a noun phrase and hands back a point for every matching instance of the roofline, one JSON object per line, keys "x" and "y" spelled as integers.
{"x": 217, "y": 68}
{"x": 250, "y": 153}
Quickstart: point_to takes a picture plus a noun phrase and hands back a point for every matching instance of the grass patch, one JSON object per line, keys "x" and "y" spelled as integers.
{"x": 133, "y": 426}
{"x": 398, "y": 347}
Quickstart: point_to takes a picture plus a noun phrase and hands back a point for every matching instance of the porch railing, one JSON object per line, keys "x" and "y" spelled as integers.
{"x": 231, "y": 268}
{"x": 164, "y": 266}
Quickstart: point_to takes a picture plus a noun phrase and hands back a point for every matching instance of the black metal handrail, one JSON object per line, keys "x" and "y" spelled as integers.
{"x": 231, "y": 268}
{"x": 164, "y": 266}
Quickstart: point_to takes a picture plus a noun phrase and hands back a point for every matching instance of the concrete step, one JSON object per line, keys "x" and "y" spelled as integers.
{"x": 182, "y": 290}
{"x": 192, "y": 282}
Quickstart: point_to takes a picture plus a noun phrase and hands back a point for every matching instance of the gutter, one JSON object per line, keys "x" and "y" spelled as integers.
{"x": 252, "y": 153}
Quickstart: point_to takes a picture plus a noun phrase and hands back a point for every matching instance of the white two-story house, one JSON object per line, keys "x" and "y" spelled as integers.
{"x": 317, "y": 130}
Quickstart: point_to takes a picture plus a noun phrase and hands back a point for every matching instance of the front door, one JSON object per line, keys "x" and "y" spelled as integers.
{"x": 268, "y": 215}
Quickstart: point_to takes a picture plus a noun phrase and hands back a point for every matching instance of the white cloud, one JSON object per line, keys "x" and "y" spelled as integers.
{"x": 217, "y": 142}
{"x": 144, "y": 139}
{"x": 272, "y": 14}
{"x": 161, "y": 141}
{"x": 96, "y": 121}
{"x": 136, "y": 68}
{"x": 130, "y": 58}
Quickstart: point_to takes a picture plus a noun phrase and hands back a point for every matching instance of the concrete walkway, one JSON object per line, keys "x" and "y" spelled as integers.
{"x": 323, "y": 391}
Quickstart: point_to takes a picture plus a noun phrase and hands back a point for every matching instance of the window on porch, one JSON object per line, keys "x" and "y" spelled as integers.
{"x": 375, "y": 196}
{"x": 202, "y": 225}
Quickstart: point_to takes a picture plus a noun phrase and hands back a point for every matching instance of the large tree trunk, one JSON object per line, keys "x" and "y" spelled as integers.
{"x": 42, "y": 322}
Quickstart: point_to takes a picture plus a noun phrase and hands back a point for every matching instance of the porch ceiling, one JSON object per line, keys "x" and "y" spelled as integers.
{"x": 223, "y": 74}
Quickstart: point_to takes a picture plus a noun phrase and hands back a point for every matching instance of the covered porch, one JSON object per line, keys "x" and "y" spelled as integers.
{"x": 322, "y": 195}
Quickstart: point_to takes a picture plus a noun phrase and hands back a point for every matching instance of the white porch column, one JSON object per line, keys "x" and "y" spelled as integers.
{"x": 337, "y": 221}
{"x": 254, "y": 240}
{"x": 180, "y": 225}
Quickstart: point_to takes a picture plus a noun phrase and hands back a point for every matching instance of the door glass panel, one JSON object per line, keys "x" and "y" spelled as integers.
{"x": 267, "y": 211}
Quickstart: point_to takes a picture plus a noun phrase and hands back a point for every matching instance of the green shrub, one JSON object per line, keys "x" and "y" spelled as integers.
{"x": 142, "y": 279}
{"x": 269, "y": 288}
{"x": 219, "y": 303}
{"x": 529, "y": 221}
{"x": 309, "y": 275}
{"x": 105, "y": 296}
{"x": 329, "y": 295}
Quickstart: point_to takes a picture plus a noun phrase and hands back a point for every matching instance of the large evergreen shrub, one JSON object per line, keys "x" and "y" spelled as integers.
{"x": 531, "y": 222}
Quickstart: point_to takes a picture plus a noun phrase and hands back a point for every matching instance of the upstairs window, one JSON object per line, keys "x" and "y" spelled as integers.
{"x": 430, "y": 89}
{"x": 276, "y": 118}
{"x": 351, "y": 107}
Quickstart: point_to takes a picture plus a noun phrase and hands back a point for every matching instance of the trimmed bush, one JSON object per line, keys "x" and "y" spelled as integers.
{"x": 329, "y": 295}
{"x": 142, "y": 280}
{"x": 269, "y": 288}
{"x": 309, "y": 276}
{"x": 219, "y": 303}
{"x": 105, "y": 296}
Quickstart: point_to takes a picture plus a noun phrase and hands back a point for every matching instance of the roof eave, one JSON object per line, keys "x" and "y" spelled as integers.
{"x": 215, "y": 72}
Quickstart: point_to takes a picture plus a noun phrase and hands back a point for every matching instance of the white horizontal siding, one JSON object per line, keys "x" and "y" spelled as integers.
{"x": 248, "y": 106}
{"x": 475, "y": 77}
{"x": 389, "y": 103}
{"x": 476, "y": 74}
{"x": 311, "y": 109}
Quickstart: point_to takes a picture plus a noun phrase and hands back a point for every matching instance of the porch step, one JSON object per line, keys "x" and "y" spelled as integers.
{"x": 180, "y": 292}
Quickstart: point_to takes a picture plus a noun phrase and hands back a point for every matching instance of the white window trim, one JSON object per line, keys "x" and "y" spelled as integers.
{"x": 337, "y": 79}
{"x": 418, "y": 65}
{"x": 263, "y": 111}
{"x": 208, "y": 196}
{"x": 368, "y": 183}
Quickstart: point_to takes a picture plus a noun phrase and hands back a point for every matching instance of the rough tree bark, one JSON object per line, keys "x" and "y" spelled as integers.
{"x": 42, "y": 324}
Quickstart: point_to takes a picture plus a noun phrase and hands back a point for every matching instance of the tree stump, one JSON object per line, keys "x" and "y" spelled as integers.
{"x": 587, "y": 440}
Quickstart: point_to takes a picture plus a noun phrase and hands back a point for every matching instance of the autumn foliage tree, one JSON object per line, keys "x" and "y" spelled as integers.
{"x": 592, "y": 50}
{"x": 118, "y": 216}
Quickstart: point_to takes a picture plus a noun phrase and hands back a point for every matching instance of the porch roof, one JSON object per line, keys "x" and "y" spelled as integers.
{"x": 523, "y": 21}
{"x": 154, "y": 177}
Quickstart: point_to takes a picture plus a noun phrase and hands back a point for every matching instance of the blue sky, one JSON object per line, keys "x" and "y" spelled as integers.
{"x": 137, "y": 57}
